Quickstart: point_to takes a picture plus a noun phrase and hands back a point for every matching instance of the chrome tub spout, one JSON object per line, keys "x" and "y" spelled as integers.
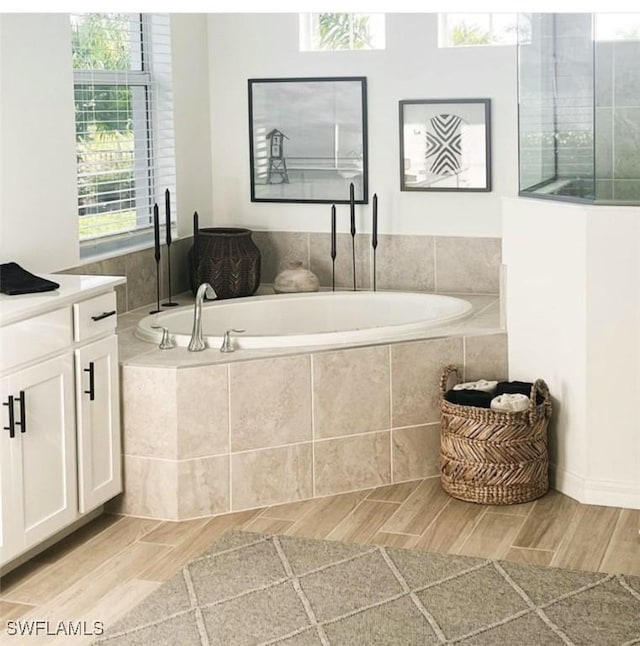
{"x": 196, "y": 344}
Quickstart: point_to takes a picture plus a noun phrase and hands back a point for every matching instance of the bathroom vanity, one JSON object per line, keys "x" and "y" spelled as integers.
{"x": 60, "y": 455}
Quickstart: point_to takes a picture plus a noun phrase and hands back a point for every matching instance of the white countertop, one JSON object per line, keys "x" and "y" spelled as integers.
{"x": 72, "y": 289}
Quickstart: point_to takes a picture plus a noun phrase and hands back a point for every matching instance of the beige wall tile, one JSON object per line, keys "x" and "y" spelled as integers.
{"x": 141, "y": 278}
{"x": 468, "y": 264}
{"x": 320, "y": 249}
{"x": 203, "y": 411}
{"x": 271, "y": 476}
{"x": 351, "y": 391}
{"x": 416, "y": 452}
{"x": 415, "y": 377}
{"x": 270, "y": 402}
{"x": 405, "y": 262}
{"x": 485, "y": 357}
{"x": 150, "y": 488}
{"x": 278, "y": 249}
{"x": 348, "y": 463}
{"x": 149, "y": 412}
{"x": 203, "y": 487}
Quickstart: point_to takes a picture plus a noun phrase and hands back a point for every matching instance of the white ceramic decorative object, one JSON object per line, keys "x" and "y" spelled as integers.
{"x": 295, "y": 279}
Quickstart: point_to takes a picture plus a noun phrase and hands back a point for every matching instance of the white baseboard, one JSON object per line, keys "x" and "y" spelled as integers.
{"x": 596, "y": 492}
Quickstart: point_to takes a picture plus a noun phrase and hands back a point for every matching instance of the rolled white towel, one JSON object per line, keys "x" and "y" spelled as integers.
{"x": 482, "y": 384}
{"x": 512, "y": 403}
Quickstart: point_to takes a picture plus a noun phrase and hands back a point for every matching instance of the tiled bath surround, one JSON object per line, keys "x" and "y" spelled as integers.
{"x": 404, "y": 262}
{"x": 205, "y": 440}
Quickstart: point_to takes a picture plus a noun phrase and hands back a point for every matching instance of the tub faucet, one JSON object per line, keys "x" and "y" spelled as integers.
{"x": 197, "y": 342}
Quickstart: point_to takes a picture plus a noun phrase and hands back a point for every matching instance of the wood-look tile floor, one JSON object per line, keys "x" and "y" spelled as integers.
{"x": 105, "y": 568}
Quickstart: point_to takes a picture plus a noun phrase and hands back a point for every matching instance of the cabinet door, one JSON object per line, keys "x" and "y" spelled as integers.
{"x": 44, "y": 456}
{"x": 11, "y": 537}
{"x": 99, "y": 460}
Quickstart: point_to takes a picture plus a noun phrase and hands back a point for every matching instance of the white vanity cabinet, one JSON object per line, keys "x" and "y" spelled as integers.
{"x": 60, "y": 429}
{"x": 98, "y": 423}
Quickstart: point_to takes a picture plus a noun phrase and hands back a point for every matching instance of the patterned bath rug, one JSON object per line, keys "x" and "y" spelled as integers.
{"x": 250, "y": 589}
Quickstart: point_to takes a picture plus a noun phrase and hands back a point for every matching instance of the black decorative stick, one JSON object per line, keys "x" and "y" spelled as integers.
{"x": 196, "y": 251}
{"x": 374, "y": 236}
{"x": 352, "y": 207}
{"x": 333, "y": 248}
{"x": 167, "y": 208}
{"x": 156, "y": 241}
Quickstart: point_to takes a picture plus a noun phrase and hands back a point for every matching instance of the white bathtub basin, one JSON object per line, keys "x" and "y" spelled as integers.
{"x": 320, "y": 318}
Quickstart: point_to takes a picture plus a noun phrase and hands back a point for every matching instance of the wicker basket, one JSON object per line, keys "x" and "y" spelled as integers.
{"x": 494, "y": 457}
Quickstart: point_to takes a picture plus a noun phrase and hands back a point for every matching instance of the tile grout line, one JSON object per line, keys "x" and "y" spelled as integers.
{"x": 609, "y": 543}
{"x": 426, "y": 529}
{"x": 48, "y": 565}
{"x": 526, "y": 518}
{"x": 567, "y": 536}
{"x": 473, "y": 529}
{"x": 313, "y": 427}
{"x": 391, "y": 469}
{"x": 229, "y": 436}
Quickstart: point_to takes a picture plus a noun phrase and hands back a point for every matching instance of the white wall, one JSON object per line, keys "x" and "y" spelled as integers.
{"x": 38, "y": 208}
{"x": 191, "y": 108}
{"x": 573, "y": 315}
{"x": 38, "y": 194}
{"x": 243, "y": 46}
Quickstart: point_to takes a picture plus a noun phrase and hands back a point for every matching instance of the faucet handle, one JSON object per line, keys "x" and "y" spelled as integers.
{"x": 166, "y": 343}
{"x": 227, "y": 345}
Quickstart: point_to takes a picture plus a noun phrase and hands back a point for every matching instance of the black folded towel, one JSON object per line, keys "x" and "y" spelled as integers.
{"x": 16, "y": 280}
{"x": 517, "y": 387}
{"x": 469, "y": 398}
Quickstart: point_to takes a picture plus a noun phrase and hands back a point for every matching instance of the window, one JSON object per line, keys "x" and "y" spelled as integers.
{"x": 124, "y": 125}
{"x": 617, "y": 26}
{"x": 464, "y": 29}
{"x": 341, "y": 31}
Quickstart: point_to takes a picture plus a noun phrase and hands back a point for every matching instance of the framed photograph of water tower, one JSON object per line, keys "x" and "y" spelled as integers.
{"x": 308, "y": 139}
{"x": 445, "y": 145}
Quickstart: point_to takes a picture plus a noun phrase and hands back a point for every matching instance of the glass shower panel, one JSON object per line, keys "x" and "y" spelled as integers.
{"x": 536, "y": 101}
{"x": 573, "y": 60}
{"x": 617, "y": 108}
{"x": 579, "y": 107}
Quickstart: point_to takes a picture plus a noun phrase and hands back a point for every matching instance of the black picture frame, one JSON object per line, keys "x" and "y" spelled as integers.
{"x": 318, "y": 127}
{"x": 445, "y": 145}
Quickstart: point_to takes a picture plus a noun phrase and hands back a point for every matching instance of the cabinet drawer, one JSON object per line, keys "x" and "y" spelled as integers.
{"x": 35, "y": 337}
{"x": 94, "y": 316}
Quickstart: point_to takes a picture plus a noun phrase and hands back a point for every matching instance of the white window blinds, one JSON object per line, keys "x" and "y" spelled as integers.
{"x": 124, "y": 121}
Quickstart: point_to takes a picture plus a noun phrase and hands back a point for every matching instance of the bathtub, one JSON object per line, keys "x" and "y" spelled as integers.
{"x": 311, "y": 319}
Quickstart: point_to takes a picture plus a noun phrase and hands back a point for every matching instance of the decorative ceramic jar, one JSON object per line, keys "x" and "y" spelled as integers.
{"x": 295, "y": 279}
{"x": 226, "y": 258}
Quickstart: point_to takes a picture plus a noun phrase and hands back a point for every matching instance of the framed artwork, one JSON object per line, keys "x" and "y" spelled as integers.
{"x": 445, "y": 145}
{"x": 308, "y": 139}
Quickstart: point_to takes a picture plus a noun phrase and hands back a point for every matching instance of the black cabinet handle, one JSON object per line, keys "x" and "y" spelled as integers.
{"x": 91, "y": 392}
{"x": 23, "y": 413}
{"x": 104, "y": 315}
{"x": 12, "y": 424}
